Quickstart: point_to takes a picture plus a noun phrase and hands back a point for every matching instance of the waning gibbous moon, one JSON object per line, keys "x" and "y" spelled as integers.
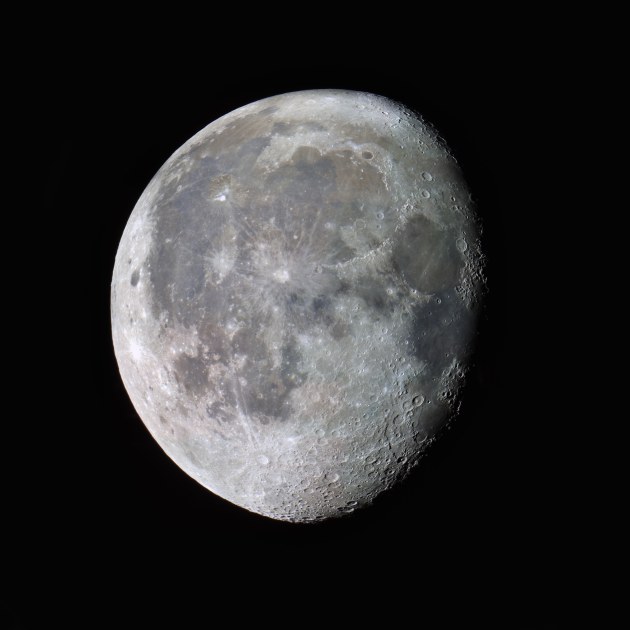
{"x": 295, "y": 298}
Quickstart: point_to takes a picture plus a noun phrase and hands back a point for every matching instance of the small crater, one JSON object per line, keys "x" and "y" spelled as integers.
{"x": 345, "y": 510}
{"x": 427, "y": 176}
{"x": 367, "y": 155}
{"x": 135, "y": 276}
{"x": 219, "y": 186}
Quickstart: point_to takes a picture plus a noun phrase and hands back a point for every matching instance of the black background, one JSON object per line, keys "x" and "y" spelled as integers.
{"x": 477, "y": 532}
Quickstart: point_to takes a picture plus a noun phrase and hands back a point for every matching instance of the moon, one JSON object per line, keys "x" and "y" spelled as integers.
{"x": 295, "y": 301}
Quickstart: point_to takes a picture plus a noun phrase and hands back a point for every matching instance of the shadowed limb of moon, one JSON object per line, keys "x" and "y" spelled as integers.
{"x": 294, "y": 301}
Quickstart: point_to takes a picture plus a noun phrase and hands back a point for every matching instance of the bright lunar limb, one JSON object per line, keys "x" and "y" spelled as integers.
{"x": 294, "y": 301}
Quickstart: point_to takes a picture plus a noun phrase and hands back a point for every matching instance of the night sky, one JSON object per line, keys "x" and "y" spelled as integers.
{"x": 480, "y": 524}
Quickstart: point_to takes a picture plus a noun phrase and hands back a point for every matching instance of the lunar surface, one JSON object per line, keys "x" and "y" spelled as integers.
{"x": 294, "y": 301}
